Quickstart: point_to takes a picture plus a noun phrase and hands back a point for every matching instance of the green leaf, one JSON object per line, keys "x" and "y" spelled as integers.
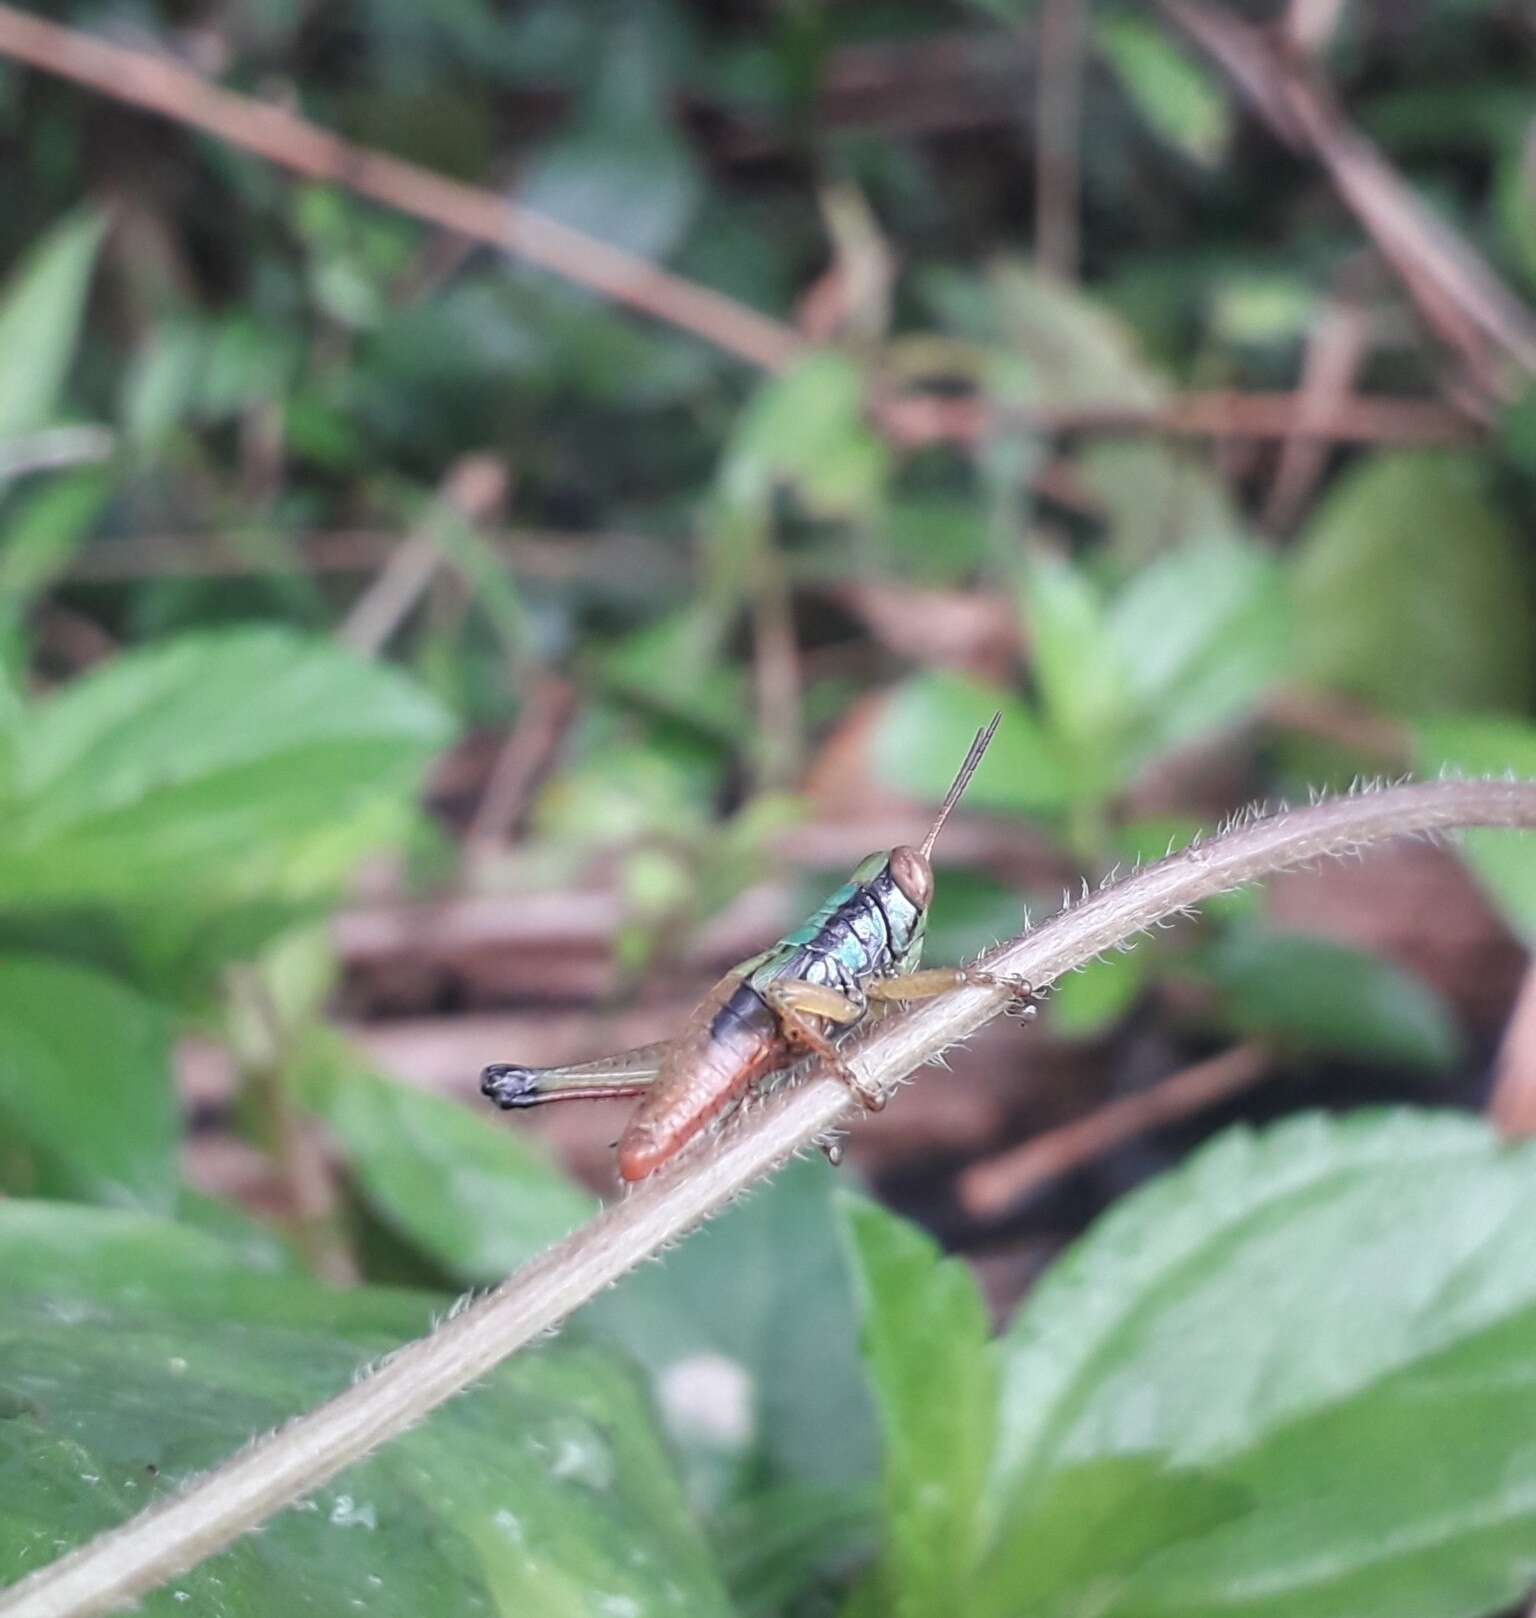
{"x": 749, "y": 1333}
{"x": 477, "y": 1197}
{"x": 1439, "y": 1521}
{"x": 245, "y": 361}
{"x": 1079, "y": 1546}
{"x": 1311, "y": 995}
{"x": 936, "y": 539}
{"x": 1265, "y": 307}
{"x": 1515, "y": 197}
{"x": 253, "y": 1244}
{"x": 925, "y": 1343}
{"x": 1517, "y": 430}
{"x": 485, "y": 572}
{"x": 1156, "y": 497}
{"x": 104, "y": 1259}
{"x": 624, "y": 788}
{"x": 134, "y": 1353}
{"x": 1074, "y": 350}
{"x": 1412, "y": 590}
{"x": 213, "y": 767}
{"x": 1077, "y": 665}
{"x": 1180, "y": 100}
{"x": 1503, "y": 861}
{"x": 161, "y": 383}
{"x": 1086, "y": 1003}
{"x": 781, "y": 1541}
{"x": 1336, "y": 1317}
{"x": 163, "y": 387}
{"x": 85, "y": 1087}
{"x": 41, "y": 532}
{"x": 622, "y": 173}
{"x": 971, "y": 911}
{"x": 42, "y": 308}
{"x": 1201, "y": 632}
{"x": 674, "y": 666}
{"x": 927, "y": 724}
{"x": 807, "y": 429}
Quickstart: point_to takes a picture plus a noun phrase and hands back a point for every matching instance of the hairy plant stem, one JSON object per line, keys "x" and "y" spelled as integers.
{"x": 283, "y": 1466}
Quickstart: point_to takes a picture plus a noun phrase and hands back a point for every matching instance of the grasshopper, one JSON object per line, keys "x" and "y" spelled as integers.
{"x": 766, "y": 1015}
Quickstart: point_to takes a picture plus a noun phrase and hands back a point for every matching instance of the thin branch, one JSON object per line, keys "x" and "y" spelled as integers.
{"x": 916, "y": 419}
{"x": 776, "y": 671}
{"x": 293, "y": 143}
{"x": 523, "y": 759}
{"x": 312, "y": 1197}
{"x": 1455, "y": 290}
{"x": 1342, "y": 722}
{"x": 164, "y": 87}
{"x": 1310, "y": 25}
{"x": 1058, "y": 133}
{"x": 990, "y": 1188}
{"x": 283, "y": 1466}
{"x": 474, "y": 486}
{"x": 1337, "y": 347}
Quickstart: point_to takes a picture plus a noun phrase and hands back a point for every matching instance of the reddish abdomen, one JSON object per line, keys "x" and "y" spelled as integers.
{"x": 735, "y": 1043}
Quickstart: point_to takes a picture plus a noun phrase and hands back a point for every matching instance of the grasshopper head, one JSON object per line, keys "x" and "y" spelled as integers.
{"x": 912, "y": 874}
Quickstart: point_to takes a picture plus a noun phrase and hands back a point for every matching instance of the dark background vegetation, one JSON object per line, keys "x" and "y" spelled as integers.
{"x": 412, "y": 656}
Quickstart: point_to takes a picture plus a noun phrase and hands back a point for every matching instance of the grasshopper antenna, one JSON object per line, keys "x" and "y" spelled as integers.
{"x": 961, "y": 782}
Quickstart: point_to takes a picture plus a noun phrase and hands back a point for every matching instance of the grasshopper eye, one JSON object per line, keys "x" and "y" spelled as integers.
{"x": 913, "y": 875}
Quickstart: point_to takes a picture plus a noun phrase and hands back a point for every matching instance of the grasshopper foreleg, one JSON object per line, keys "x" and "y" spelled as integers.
{"x": 798, "y": 1006}
{"x": 627, "y": 1074}
{"x": 931, "y": 981}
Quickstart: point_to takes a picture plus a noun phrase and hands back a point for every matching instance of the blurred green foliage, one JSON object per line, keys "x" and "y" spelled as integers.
{"x": 1230, "y": 1397}
{"x": 1287, "y": 1378}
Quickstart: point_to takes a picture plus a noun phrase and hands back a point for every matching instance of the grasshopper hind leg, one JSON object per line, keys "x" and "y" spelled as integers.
{"x": 511, "y": 1085}
{"x": 796, "y": 1005}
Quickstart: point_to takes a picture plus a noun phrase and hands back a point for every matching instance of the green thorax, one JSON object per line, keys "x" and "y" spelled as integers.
{"x": 866, "y": 929}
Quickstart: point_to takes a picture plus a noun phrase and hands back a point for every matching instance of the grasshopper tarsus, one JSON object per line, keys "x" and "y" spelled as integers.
{"x": 1023, "y": 1000}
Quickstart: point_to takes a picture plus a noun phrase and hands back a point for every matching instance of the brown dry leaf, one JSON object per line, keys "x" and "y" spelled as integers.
{"x": 952, "y": 629}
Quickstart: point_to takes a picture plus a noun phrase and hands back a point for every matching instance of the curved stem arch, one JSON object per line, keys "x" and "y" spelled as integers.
{"x": 283, "y": 1466}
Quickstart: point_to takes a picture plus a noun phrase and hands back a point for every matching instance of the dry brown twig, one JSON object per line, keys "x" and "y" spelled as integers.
{"x": 1336, "y": 349}
{"x": 917, "y": 419}
{"x": 275, "y": 1470}
{"x": 990, "y": 1188}
{"x": 1058, "y": 120}
{"x": 175, "y": 92}
{"x": 311, "y": 1194}
{"x": 475, "y": 485}
{"x": 546, "y": 714}
{"x": 1456, "y": 292}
